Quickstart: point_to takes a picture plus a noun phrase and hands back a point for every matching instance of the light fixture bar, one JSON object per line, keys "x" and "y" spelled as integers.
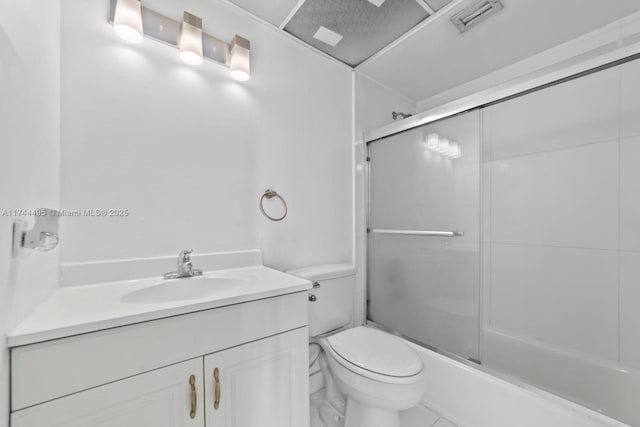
{"x": 167, "y": 30}
{"x": 159, "y": 27}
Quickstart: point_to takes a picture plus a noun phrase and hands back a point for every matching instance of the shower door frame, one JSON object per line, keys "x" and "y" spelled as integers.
{"x": 604, "y": 57}
{"x": 600, "y": 59}
{"x": 367, "y": 172}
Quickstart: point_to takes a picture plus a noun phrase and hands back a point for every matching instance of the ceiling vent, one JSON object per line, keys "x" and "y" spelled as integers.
{"x": 327, "y": 36}
{"x": 353, "y": 30}
{"x": 476, "y": 13}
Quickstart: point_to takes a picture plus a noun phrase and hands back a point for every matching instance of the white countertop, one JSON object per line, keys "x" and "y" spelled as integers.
{"x": 81, "y": 309}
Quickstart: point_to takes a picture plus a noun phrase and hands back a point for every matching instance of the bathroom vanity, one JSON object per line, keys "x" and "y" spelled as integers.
{"x": 237, "y": 356}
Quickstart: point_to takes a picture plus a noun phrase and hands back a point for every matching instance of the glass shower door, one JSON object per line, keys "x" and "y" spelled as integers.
{"x": 424, "y": 235}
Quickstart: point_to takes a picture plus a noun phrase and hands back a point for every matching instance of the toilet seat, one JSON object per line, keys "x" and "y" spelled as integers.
{"x": 375, "y": 355}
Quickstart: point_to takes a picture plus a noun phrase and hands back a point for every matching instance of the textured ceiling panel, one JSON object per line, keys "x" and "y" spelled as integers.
{"x": 437, "y": 4}
{"x": 272, "y": 11}
{"x": 365, "y": 28}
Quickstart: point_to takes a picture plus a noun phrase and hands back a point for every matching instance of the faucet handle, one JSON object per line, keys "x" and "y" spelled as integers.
{"x": 185, "y": 255}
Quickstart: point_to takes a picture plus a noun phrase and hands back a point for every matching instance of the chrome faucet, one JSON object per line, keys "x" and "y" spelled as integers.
{"x": 185, "y": 267}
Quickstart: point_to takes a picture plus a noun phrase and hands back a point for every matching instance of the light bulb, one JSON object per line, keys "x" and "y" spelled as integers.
{"x": 454, "y": 151}
{"x": 432, "y": 141}
{"x": 127, "y": 20}
{"x": 240, "y": 59}
{"x": 239, "y": 75}
{"x": 191, "y": 58}
{"x": 190, "y": 43}
{"x": 443, "y": 146}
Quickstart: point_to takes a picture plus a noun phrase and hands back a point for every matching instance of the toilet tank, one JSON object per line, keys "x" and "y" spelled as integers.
{"x": 334, "y": 287}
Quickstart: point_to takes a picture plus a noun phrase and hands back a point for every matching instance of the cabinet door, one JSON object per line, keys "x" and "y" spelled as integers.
{"x": 160, "y": 398}
{"x": 261, "y": 384}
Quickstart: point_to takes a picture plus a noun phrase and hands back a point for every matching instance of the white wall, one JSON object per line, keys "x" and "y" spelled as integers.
{"x": 304, "y": 152}
{"x": 189, "y": 151}
{"x": 375, "y": 103}
{"x": 29, "y": 154}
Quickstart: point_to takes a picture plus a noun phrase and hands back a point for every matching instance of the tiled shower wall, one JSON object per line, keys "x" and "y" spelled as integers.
{"x": 561, "y": 246}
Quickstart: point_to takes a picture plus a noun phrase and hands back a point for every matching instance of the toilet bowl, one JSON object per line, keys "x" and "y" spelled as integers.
{"x": 378, "y": 373}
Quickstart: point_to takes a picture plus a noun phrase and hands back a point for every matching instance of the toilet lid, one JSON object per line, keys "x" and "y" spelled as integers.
{"x": 376, "y": 351}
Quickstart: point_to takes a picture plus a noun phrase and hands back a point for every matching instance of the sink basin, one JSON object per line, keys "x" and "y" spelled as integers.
{"x": 182, "y": 289}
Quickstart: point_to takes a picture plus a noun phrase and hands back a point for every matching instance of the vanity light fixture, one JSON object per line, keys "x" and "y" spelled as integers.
{"x": 190, "y": 41}
{"x": 239, "y": 59}
{"x": 128, "y": 16}
{"x": 127, "y": 20}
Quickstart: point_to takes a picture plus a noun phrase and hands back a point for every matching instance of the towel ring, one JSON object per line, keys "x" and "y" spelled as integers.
{"x": 270, "y": 194}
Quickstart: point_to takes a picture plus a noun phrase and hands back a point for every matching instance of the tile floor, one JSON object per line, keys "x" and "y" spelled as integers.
{"x": 420, "y": 416}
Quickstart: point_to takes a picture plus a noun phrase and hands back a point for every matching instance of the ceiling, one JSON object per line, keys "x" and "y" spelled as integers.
{"x": 351, "y": 31}
{"x": 438, "y": 57}
{"x": 412, "y": 47}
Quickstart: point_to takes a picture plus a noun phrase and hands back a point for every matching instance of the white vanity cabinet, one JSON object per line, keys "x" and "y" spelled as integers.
{"x": 259, "y": 384}
{"x": 159, "y": 398}
{"x": 161, "y": 373}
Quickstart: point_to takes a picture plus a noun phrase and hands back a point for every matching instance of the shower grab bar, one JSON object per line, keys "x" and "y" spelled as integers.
{"x": 418, "y": 232}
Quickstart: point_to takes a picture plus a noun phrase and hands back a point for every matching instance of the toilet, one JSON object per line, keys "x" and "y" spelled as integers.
{"x": 376, "y": 373}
